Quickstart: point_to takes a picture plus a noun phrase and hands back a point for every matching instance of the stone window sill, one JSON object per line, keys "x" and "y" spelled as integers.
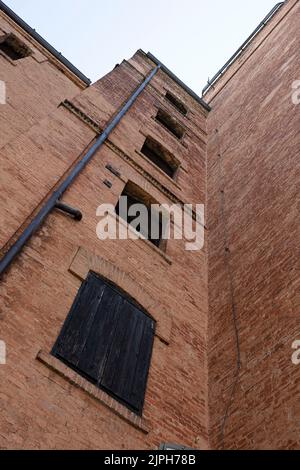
{"x": 140, "y": 238}
{"x": 75, "y": 379}
{"x": 12, "y": 62}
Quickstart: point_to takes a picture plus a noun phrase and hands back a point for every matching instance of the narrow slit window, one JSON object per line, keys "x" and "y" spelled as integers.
{"x": 107, "y": 338}
{"x": 160, "y": 156}
{"x": 170, "y": 123}
{"x": 176, "y": 103}
{"x": 13, "y": 48}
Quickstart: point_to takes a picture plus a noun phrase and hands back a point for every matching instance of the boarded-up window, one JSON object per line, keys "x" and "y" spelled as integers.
{"x": 107, "y": 338}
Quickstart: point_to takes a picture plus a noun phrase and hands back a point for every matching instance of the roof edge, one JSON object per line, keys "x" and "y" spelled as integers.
{"x": 178, "y": 81}
{"x": 243, "y": 47}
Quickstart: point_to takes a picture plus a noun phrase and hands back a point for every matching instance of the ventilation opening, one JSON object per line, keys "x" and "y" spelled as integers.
{"x": 145, "y": 219}
{"x": 160, "y": 156}
{"x": 177, "y": 103}
{"x": 13, "y": 47}
{"x": 169, "y": 123}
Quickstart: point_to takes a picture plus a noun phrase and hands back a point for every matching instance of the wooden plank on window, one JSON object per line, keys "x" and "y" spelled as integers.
{"x": 99, "y": 341}
{"x": 125, "y": 360}
{"x": 138, "y": 386}
{"x": 75, "y": 331}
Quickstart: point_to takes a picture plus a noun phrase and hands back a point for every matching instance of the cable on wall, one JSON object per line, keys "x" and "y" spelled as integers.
{"x": 232, "y": 297}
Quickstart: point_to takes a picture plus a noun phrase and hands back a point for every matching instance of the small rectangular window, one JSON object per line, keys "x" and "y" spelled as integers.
{"x": 107, "y": 338}
{"x": 176, "y": 103}
{"x": 13, "y": 47}
{"x": 151, "y": 225}
{"x": 160, "y": 156}
{"x": 170, "y": 123}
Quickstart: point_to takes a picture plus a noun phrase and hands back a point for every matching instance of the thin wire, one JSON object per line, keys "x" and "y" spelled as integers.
{"x": 233, "y": 306}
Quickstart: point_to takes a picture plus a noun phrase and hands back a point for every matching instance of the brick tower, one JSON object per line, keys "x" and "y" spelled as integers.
{"x": 51, "y": 121}
{"x": 135, "y": 343}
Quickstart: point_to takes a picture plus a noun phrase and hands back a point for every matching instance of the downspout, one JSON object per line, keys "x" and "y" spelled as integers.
{"x": 56, "y": 195}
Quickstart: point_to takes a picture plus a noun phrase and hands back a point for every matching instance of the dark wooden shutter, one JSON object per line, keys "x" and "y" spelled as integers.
{"x": 108, "y": 339}
{"x": 98, "y": 342}
{"x": 127, "y": 366}
{"x": 77, "y": 327}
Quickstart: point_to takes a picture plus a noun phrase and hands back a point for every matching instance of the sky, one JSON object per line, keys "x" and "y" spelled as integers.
{"x": 193, "y": 38}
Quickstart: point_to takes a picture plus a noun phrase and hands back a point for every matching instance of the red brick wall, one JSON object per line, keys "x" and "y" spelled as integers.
{"x": 40, "y": 405}
{"x": 35, "y": 85}
{"x": 253, "y": 208}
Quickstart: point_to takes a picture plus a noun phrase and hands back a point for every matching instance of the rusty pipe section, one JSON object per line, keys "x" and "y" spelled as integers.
{"x": 55, "y": 197}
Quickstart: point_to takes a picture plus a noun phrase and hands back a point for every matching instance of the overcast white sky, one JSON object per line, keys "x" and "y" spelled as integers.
{"x": 194, "y": 38}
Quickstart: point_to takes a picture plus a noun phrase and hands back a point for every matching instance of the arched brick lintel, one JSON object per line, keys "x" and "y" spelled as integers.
{"x": 85, "y": 261}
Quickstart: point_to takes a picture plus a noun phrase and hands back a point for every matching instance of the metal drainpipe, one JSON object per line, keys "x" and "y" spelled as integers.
{"x": 56, "y": 195}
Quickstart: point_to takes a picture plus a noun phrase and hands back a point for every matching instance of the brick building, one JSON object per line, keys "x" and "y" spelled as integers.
{"x": 211, "y": 367}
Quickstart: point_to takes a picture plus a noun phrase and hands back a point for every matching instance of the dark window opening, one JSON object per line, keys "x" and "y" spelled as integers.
{"x": 155, "y": 225}
{"x": 170, "y": 123}
{"x": 160, "y": 156}
{"x": 13, "y": 47}
{"x": 107, "y": 338}
{"x": 177, "y": 103}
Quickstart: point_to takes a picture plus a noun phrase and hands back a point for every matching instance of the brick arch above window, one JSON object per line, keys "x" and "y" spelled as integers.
{"x": 85, "y": 261}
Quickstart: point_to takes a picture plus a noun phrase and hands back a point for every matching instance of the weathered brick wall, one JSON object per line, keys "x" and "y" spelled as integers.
{"x": 40, "y": 407}
{"x": 35, "y": 85}
{"x": 253, "y": 209}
